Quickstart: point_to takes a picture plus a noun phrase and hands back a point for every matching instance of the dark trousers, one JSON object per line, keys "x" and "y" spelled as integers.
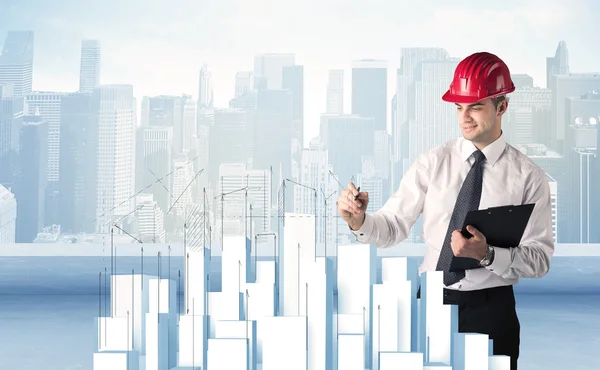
{"x": 489, "y": 311}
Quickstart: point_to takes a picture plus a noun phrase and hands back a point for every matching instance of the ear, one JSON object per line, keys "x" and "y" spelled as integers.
{"x": 502, "y": 107}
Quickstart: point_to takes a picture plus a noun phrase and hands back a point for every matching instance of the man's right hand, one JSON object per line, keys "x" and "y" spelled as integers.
{"x": 353, "y": 210}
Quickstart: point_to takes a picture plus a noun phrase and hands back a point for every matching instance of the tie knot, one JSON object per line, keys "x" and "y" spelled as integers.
{"x": 479, "y": 156}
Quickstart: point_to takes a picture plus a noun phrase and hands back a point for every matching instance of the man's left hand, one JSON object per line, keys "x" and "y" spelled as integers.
{"x": 474, "y": 247}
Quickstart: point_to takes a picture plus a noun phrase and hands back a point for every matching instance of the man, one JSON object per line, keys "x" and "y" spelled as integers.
{"x": 477, "y": 171}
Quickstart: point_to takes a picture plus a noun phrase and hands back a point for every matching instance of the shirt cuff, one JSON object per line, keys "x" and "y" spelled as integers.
{"x": 365, "y": 231}
{"x": 501, "y": 261}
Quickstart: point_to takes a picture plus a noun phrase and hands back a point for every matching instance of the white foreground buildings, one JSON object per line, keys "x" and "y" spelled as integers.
{"x": 283, "y": 314}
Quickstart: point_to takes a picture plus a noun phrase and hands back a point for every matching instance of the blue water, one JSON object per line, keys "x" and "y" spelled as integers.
{"x": 48, "y": 305}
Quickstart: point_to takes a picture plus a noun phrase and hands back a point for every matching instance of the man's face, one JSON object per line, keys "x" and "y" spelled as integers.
{"x": 480, "y": 122}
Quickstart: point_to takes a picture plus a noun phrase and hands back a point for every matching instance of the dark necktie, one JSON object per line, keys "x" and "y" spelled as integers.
{"x": 468, "y": 200}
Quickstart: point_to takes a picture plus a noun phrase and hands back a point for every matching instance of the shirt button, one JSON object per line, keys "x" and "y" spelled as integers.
{"x": 361, "y": 234}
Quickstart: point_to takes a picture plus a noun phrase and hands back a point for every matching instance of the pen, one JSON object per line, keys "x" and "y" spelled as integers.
{"x": 356, "y": 196}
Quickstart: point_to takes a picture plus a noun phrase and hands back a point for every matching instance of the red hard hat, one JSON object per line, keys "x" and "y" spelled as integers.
{"x": 479, "y": 76}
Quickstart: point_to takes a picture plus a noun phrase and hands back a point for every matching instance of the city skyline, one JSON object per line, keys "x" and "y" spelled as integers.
{"x": 129, "y": 43}
{"x": 266, "y": 101}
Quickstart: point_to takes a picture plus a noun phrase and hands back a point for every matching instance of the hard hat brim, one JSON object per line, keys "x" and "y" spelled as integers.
{"x": 465, "y": 99}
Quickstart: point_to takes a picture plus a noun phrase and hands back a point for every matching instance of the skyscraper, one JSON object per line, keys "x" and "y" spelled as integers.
{"x": 335, "y": 92}
{"x": 115, "y": 177}
{"x": 580, "y": 139}
{"x": 268, "y": 70}
{"x": 558, "y": 65}
{"x": 205, "y": 89}
{"x": 369, "y": 91}
{"x": 89, "y": 74}
{"x": 16, "y": 61}
{"x": 154, "y": 164}
{"x": 405, "y": 105}
{"x": 526, "y": 121}
{"x": 230, "y": 141}
{"x": 435, "y": 120}
{"x": 293, "y": 80}
{"x": 11, "y": 120}
{"x": 563, "y": 85}
{"x": 77, "y": 187}
{"x": 167, "y": 111}
{"x": 47, "y": 105}
{"x": 31, "y": 184}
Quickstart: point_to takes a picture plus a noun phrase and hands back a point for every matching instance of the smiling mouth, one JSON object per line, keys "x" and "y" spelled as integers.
{"x": 470, "y": 127}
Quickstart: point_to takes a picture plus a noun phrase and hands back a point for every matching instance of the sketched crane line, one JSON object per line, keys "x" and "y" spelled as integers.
{"x": 144, "y": 189}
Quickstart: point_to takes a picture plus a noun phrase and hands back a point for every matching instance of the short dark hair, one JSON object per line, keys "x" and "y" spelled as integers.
{"x": 497, "y": 100}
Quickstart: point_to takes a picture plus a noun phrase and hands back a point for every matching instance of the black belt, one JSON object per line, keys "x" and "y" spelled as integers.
{"x": 453, "y": 296}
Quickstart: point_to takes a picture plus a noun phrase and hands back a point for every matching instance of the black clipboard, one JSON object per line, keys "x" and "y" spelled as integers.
{"x": 503, "y": 227}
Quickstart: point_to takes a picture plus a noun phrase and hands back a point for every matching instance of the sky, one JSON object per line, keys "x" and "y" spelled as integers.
{"x": 159, "y": 46}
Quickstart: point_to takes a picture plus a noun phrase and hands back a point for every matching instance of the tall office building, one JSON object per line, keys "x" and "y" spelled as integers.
{"x": 348, "y": 138}
{"x": 89, "y": 69}
{"x": 8, "y": 216}
{"x": 565, "y": 84}
{"x": 167, "y": 111}
{"x": 116, "y": 141}
{"x": 77, "y": 185}
{"x": 31, "y": 184}
{"x": 566, "y": 87}
{"x": 268, "y": 70}
{"x": 405, "y": 105}
{"x": 557, "y": 65}
{"x": 274, "y": 119}
{"x": 369, "y": 91}
{"x": 16, "y": 61}
{"x": 230, "y": 141}
{"x": 581, "y": 141}
{"x": 47, "y": 104}
{"x": 293, "y": 80}
{"x": 190, "y": 126}
{"x": 202, "y": 152}
{"x": 145, "y": 112}
{"x": 335, "y": 92}
{"x": 435, "y": 120}
{"x": 154, "y": 164}
{"x": 205, "y": 89}
{"x": 11, "y": 120}
{"x": 528, "y": 116}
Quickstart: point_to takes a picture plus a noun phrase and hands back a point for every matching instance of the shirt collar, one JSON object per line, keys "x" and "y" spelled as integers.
{"x": 492, "y": 152}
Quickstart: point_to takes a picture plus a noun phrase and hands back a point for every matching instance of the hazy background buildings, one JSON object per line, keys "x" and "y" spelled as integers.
{"x": 140, "y": 129}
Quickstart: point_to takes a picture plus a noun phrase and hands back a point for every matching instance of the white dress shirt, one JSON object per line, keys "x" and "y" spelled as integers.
{"x": 431, "y": 187}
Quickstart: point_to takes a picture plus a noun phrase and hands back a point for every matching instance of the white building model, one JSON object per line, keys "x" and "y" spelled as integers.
{"x": 285, "y": 314}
